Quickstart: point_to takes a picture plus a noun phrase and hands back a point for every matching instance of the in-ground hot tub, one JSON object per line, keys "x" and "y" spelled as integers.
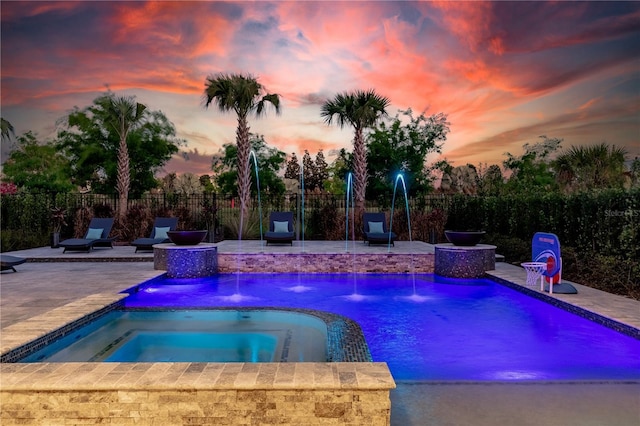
{"x": 202, "y": 335}
{"x": 192, "y": 336}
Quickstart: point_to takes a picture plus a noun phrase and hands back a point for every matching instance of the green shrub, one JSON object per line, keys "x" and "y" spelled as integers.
{"x": 606, "y": 273}
{"x": 515, "y": 250}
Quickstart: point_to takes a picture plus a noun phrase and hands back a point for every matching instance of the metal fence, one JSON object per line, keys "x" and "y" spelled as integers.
{"x": 195, "y": 211}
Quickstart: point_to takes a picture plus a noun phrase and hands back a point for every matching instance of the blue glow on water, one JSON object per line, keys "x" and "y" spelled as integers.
{"x": 445, "y": 329}
{"x": 167, "y": 346}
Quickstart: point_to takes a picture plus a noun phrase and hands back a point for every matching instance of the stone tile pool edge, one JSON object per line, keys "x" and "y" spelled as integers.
{"x": 181, "y": 393}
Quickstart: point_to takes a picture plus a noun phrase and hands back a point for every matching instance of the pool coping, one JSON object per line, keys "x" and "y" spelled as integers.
{"x": 345, "y": 339}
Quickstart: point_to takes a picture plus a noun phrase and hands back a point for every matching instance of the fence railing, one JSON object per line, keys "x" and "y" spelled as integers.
{"x": 604, "y": 221}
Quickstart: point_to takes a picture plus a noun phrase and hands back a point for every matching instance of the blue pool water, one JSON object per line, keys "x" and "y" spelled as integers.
{"x": 428, "y": 327}
{"x": 191, "y": 336}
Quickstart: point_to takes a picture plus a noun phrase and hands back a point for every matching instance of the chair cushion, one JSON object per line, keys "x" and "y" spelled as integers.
{"x": 280, "y": 226}
{"x": 94, "y": 233}
{"x": 376, "y": 228}
{"x": 161, "y": 232}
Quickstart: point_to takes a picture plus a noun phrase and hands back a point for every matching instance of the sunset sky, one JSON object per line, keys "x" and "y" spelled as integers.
{"x": 504, "y": 72}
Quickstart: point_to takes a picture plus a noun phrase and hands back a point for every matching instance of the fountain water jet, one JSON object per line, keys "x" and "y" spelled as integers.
{"x": 355, "y": 296}
{"x": 237, "y": 296}
{"x": 399, "y": 177}
{"x": 300, "y": 288}
{"x": 302, "y": 203}
{"x": 252, "y": 154}
{"x": 415, "y": 297}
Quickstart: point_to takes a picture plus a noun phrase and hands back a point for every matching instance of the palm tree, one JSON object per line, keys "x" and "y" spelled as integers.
{"x": 6, "y": 129}
{"x": 122, "y": 113}
{"x": 589, "y": 167}
{"x": 361, "y": 109}
{"x": 243, "y": 95}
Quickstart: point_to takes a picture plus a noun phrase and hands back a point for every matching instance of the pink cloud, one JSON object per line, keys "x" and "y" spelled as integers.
{"x": 501, "y": 70}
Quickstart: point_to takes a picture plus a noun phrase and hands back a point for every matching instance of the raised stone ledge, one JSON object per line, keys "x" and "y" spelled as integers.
{"x": 323, "y": 263}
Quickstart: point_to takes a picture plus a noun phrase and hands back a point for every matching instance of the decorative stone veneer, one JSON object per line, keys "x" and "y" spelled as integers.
{"x": 195, "y": 261}
{"x": 464, "y": 262}
{"x": 196, "y": 394}
{"x": 320, "y": 263}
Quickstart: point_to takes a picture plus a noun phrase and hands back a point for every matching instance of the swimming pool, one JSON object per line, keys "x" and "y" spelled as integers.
{"x": 427, "y": 327}
{"x": 192, "y": 336}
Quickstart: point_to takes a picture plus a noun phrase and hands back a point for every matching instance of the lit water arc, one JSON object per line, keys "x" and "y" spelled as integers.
{"x": 355, "y": 296}
{"x": 300, "y": 287}
{"x": 237, "y": 296}
{"x": 302, "y": 203}
{"x": 415, "y": 296}
{"x": 252, "y": 154}
{"x": 349, "y": 198}
{"x": 400, "y": 178}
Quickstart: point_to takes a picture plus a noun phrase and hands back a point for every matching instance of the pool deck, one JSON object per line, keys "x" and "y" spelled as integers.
{"x": 51, "y": 279}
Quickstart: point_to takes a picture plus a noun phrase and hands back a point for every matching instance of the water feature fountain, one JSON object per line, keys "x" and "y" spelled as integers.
{"x": 252, "y": 154}
{"x": 237, "y": 296}
{"x": 415, "y": 297}
{"x": 302, "y": 203}
{"x": 349, "y": 199}
{"x": 399, "y": 177}
{"x": 463, "y": 257}
{"x": 355, "y": 296}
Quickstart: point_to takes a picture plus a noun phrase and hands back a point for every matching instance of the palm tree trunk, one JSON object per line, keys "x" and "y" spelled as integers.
{"x": 359, "y": 171}
{"x": 244, "y": 177}
{"x": 123, "y": 178}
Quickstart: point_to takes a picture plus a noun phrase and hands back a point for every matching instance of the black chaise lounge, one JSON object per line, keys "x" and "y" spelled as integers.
{"x": 375, "y": 229}
{"x": 7, "y": 262}
{"x": 161, "y": 226}
{"x": 97, "y": 236}
{"x": 280, "y": 228}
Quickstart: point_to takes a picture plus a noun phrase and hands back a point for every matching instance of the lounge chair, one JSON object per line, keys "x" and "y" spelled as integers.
{"x": 375, "y": 229}
{"x": 97, "y": 236}
{"x": 280, "y": 228}
{"x": 7, "y": 262}
{"x": 161, "y": 226}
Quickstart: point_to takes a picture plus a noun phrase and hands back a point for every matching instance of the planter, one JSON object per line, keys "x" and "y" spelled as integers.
{"x": 464, "y": 238}
{"x": 187, "y": 238}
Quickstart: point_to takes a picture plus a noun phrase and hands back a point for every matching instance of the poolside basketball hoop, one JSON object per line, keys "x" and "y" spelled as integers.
{"x": 535, "y": 271}
{"x": 545, "y": 249}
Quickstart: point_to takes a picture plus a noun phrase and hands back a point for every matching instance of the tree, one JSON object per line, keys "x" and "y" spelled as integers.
{"x": 337, "y": 180}
{"x": 270, "y": 161}
{"x": 532, "y": 172}
{"x": 361, "y": 110}
{"x": 293, "y": 168}
{"x": 243, "y": 95}
{"x": 309, "y": 172}
{"x": 490, "y": 180}
{"x": 37, "y": 167}
{"x": 6, "y": 130}
{"x": 394, "y": 147}
{"x": 168, "y": 183}
{"x": 463, "y": 179}
{"x": 634, "y": 172}
{"x": 122, "y": 114}
{"x": 591, "y": 167}
{"x": 187, "y": 184}
{"x": 322, "y": 169}
{"x": 89, "y": 140}
{"x": 207, "y": 183}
